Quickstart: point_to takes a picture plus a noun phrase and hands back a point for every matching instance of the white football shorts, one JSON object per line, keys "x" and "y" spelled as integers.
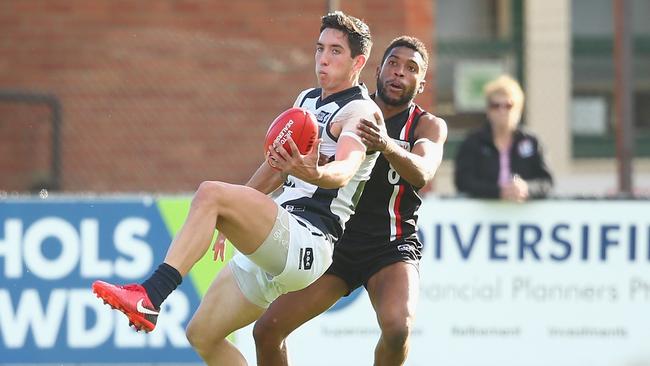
{"x": 303, "y": 249}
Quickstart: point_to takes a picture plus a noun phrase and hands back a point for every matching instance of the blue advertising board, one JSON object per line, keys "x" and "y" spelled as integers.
{"x": 51, "y": 252}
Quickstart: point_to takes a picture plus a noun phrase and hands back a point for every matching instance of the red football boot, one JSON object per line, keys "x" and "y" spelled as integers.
{"x": 132, "y": 300}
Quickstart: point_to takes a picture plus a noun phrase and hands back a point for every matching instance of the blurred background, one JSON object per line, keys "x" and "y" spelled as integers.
{"x": 113, "y": 111}
{"x": 106, "y": 96}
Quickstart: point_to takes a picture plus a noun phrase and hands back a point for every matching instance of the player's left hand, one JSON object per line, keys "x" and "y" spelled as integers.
{"x": 304, "y": 167}
{"x": 373, "y": 134}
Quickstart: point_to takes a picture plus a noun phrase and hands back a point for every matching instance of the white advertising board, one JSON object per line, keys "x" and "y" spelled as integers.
{"x": 542, "y": 283}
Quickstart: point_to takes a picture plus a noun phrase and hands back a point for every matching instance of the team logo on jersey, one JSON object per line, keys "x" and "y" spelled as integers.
{"x": 292, "y": 208}
{"x": 323, "y": 117}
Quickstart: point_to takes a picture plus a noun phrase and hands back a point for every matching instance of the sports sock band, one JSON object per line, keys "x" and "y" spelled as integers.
{"x": 161, "y": 283}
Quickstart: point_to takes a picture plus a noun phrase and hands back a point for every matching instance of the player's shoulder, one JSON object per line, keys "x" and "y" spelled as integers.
{"x": 430, "y": 118}
{"x": 356, "y": 103}
{"x": 360, "y": 108}
{"x": 363, "y": 101}
{"x": 310, "y": 93}
{"x": 363, "y": 104}
{"x": 431, "y": 125}
{"x": 433, "y": 119}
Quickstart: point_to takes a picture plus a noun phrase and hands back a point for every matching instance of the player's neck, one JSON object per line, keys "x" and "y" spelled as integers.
{"x": 354, "y": 81}
{"x": 389, "y": 110}
{"x": 326, "y": 93}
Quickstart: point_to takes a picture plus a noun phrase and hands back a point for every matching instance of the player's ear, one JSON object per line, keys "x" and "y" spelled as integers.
{"x": 421, "y": 86}
{"x": 359, "y": 62}
{"x": 378, "y": 72}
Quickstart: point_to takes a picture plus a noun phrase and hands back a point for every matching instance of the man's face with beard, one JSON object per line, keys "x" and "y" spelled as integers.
{"x": 401, "y": 76}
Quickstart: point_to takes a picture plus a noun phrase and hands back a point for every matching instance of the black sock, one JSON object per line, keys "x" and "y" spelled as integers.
{"x": 161, "y": 283}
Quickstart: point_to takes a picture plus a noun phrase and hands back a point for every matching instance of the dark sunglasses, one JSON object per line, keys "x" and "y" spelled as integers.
{"x": 495, "y": 105}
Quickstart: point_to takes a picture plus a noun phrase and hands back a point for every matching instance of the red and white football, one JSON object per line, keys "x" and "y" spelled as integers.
{"x": 297, "y": 123}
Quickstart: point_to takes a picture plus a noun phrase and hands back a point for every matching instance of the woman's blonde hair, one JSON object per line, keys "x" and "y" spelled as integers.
{"x": 507, "y": 85}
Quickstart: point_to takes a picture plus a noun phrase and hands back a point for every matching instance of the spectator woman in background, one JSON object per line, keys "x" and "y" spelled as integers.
{"x": 500, "y": 160}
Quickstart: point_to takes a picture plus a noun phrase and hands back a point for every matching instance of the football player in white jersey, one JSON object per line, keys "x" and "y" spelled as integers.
{"x": 284, "y": 244}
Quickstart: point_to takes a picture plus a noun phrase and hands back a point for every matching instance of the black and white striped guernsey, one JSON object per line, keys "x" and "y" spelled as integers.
{"x": 330, "y": 209}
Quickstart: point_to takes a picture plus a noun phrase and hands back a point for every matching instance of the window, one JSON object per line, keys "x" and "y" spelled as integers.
{"x": 476, "y": 41}
{"x": 593, "y": 77}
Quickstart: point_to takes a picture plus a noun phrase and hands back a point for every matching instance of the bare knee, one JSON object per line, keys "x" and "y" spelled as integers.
{"x": 395, "y": 332}
{"x": 268, "y": 336}
{"x": 203, "y": 342}
{"x": 193, "y": 335}
{"x": 209, "y": 194}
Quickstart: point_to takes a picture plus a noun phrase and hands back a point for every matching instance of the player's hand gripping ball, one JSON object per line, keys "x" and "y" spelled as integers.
{"x": 297, "y": 123}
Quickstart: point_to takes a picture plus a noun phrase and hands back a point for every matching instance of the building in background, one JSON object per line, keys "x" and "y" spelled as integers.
{"x": 562, "y": 52}
{"x": 156, "y": 97}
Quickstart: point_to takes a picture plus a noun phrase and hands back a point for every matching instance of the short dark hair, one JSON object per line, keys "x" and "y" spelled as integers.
{"x": 357, "y": 31}
{"x": 408, "y": 42}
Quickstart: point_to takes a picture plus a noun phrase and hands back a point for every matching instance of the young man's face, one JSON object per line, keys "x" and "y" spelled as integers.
{"x": 401, "y": 77}
{"x": 335, "y": 68}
